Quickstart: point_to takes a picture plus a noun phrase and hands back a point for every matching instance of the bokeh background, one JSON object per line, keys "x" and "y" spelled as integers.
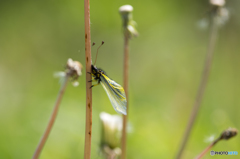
{"x": 166, "y": 62}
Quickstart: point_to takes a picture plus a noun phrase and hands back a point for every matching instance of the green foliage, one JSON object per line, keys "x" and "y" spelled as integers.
{"x": 37, "y": 37}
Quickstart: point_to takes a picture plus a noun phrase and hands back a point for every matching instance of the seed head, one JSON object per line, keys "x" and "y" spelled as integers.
{"x": 229, "y": 133}
{"x": 74, "y": 70}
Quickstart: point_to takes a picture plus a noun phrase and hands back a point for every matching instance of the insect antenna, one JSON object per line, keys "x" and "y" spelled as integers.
{"x": 93, "y": 44}
{"x": 97, "y": 52}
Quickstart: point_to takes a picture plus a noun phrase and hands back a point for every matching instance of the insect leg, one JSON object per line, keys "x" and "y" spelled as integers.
{"x": 92, "y": 80}
{"x": 95, "y": 84}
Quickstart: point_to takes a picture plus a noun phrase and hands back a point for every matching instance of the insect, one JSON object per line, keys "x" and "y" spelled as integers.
{"x": 114, "y": 91}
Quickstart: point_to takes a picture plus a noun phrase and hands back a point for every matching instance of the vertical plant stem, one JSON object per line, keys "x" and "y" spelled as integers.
{"x": 202, "y": 86}
{"x": 125, "y": 86}
{"x": 52, "y": 119}
{"x": 88, "y": 129}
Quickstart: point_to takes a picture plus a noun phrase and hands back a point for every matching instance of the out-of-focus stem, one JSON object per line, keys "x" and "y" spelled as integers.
{"x": 205, "y": 150}
{"x": 125, "y": 86}
{"x": 202, "y": 85}
{"x": 52, "y": 119}
{"x": 88, "y": 129}
{"x": 226, "y": 135}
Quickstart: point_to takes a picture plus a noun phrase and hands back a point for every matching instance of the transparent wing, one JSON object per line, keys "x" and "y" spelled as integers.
{"x": 115, "y": 94}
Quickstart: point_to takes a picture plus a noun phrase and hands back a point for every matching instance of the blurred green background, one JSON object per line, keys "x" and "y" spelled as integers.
{"x": 166, "y": 62}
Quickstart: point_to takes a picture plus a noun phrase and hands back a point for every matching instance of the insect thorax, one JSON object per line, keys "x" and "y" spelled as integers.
{"x": 96, "y": 73}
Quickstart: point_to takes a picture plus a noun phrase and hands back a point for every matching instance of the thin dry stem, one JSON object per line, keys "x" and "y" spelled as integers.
{"x": 202, "y": 86}
{"x": 88, "y": 129}
{"x": 125, "y": 86}
{"x": 226, "y": 135}
{"x": 52, "y": 119}
{"x": 206, "y": 150}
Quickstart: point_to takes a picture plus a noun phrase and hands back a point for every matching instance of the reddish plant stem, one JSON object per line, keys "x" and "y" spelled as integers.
{"x": 51, "y": 121}
{"x": 204, "y": 151}
{"x": 88, "y": 128}
{"x": 125, "y": 86}
{"x": 207, "y": 149}
{"x": 202, "y": 86}
{"x": 226, "y": 135}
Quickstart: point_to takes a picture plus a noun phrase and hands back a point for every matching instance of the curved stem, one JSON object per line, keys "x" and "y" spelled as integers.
{"x": 202, "y": 86}
{"x": 52, "y": 119}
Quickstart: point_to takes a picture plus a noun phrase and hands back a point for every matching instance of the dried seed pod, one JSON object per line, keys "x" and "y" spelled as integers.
{"x": 73, "y": 69}
{"x": 229, "y": 133}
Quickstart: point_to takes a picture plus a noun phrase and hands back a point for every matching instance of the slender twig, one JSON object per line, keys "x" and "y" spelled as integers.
{"x": 205, "y": 151}
{"x": 73, "y": 70}
{"x": 88, "y": 129}
{"x": 128, "y": 23}
{"x": 202, "y": 85}
{"x": 227, "y": 134}
{"x": 125, "y": 86}
{"x": 52, "y": 119}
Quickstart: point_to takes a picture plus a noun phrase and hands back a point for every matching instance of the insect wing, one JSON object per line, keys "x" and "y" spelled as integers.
{"x": 115, "y": 94}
